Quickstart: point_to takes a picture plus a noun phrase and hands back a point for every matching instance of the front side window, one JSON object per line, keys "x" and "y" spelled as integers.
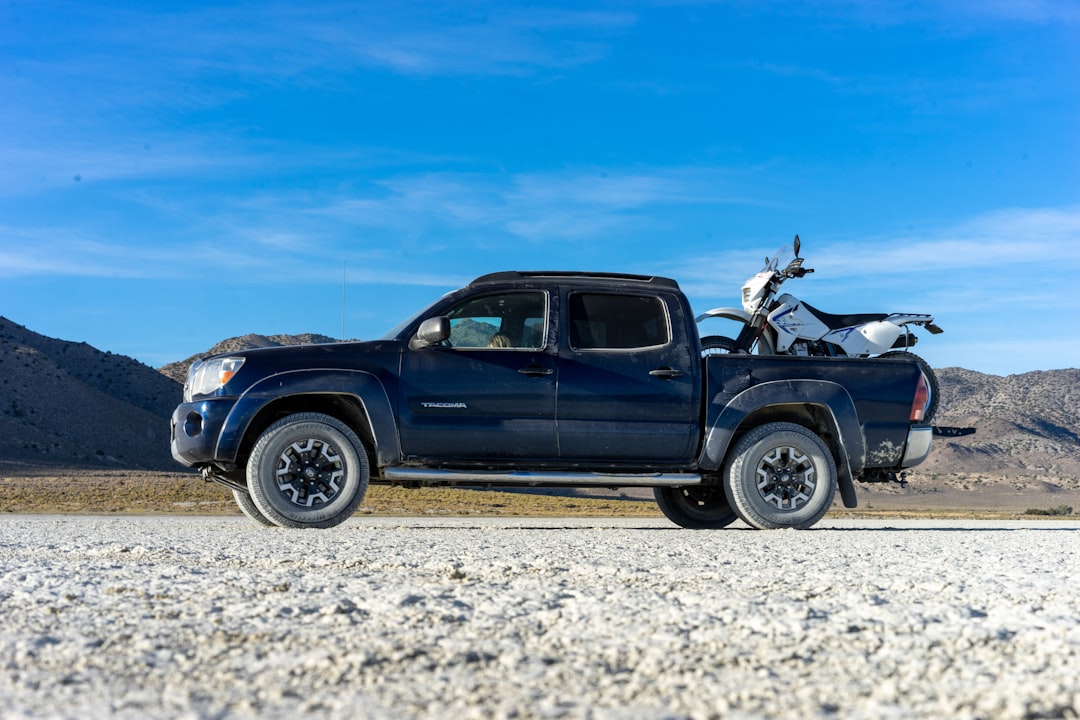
{"x": 503, "y": 320}
{"x": 612, "y": 321}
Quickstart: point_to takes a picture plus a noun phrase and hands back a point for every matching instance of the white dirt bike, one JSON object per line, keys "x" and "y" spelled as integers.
{"x": 785, "y": 325}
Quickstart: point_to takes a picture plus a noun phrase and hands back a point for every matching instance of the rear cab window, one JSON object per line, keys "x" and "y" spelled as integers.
{"x": 617, "y": 321}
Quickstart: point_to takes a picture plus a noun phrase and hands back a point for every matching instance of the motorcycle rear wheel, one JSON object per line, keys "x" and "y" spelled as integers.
{"x": 931, "y": 380}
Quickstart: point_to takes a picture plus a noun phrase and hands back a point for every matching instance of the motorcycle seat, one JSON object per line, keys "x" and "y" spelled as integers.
{"x": 835, "y": 322}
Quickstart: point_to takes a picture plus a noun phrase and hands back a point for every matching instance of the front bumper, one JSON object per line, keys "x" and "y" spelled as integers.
{"x": 196, "y": 430}
{"x": 919, "y": 442}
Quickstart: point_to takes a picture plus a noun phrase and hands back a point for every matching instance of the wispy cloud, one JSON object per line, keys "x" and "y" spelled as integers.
{"x": 243, "y": 257}
{"x": 373, "y": 225}
{"x": 1006, "y": 239}
{"x": 992, "y": 281}
{"x": 278, "y": 40}
{"x": 1005, "y": 257}
{"x": 1026, "y": 11}
{"x": 112, "y": 93}
{"x": 31, "y": 167}
{"x": 956, "y": 15}
{"x": 497, "y": 42}
{"x": 67, "y": 252}
{"x": 571, "y": 205}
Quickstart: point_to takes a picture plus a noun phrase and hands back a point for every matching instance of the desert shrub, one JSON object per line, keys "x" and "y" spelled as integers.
{"x": 1054, "y": 511}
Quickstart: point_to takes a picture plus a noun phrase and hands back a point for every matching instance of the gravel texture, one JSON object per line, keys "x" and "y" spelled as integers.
{"x": 199, "y": 617}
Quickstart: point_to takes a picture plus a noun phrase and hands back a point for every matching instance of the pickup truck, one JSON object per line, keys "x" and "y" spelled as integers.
{"x": 551, "y": 379}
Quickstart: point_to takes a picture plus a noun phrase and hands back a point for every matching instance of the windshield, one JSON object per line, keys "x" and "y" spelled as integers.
{"x": 784, "y": 253}
{"x": 400, "y": 327}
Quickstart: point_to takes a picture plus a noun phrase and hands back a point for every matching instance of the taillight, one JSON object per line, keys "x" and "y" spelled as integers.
{"x": 922, "y": 400}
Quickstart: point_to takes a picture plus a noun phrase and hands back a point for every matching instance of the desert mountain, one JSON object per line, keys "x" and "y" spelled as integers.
{"x": 1026, "y": 424}
{"x": 68, "y": 403}
{"x": 65, "y": 403}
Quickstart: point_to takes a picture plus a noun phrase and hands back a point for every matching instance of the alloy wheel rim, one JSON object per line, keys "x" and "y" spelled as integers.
{"x": 786, "y": 478}
{"x": 310, "y": 472}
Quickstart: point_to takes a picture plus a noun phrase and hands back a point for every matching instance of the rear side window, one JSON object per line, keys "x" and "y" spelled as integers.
{"x": 617, "y": 322}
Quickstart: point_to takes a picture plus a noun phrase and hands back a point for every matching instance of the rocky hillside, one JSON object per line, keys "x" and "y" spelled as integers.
{"x": 1026, "y": 424}
{"x": 68, "y": 403}
{"x": 65, "y": 403}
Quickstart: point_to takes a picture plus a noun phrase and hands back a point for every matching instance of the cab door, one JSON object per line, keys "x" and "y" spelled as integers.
{"x": 488, "y": 392}
{"x": 628, "y": 384}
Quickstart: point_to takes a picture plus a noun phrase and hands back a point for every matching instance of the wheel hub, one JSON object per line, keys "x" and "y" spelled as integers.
{"x": 309, "y": 472}
{"x": 786, "y": 478}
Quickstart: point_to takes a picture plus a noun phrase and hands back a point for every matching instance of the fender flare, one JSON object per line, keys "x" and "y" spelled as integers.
{"x": 363, "y": 387}
{"x": 832, "y": 398}
{"x": 730, "y": 313}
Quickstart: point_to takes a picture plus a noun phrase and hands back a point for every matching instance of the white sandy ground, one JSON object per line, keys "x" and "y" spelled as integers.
{"x": 197, "y": 617}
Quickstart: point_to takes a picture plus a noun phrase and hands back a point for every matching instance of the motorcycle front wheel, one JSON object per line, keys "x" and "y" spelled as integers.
{"x": 723, "y": 345}
{"x": 717, "y": 345}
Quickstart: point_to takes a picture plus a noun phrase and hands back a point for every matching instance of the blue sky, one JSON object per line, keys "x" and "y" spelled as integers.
{"x": 174, "y": 174}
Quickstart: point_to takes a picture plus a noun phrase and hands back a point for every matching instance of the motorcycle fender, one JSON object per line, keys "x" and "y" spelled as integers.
{"x": 728, "y": 313}
{"x": 830, "y": 397}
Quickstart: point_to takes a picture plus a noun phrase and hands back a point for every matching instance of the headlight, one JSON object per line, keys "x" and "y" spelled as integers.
{"x": 207, "y": 376}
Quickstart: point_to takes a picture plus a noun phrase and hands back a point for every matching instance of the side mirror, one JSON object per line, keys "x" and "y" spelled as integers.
{"x": 431, "y": 332}
{"x": 798, "y": 245}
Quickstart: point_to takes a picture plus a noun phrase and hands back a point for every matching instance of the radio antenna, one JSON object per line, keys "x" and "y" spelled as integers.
{"x": 343, "y": 262}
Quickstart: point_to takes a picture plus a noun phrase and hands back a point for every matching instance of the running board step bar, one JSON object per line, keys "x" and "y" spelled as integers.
{"x": 430, "y": 476}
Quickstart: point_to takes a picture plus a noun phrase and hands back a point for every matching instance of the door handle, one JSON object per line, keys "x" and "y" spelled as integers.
{"x": 535, "y": 371}
{"x": 666, "y": 373}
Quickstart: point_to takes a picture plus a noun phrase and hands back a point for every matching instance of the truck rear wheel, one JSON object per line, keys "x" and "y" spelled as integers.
{"x": 781, "y": 476}
{"x": 698, "y": 507}
{"x": 308, "y": 470}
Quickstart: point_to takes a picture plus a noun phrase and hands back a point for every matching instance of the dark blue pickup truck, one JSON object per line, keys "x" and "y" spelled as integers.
{"x": 551, "y": 379}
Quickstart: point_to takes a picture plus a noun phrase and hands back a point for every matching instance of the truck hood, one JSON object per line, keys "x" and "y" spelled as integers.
{"x": 374, "y": 356}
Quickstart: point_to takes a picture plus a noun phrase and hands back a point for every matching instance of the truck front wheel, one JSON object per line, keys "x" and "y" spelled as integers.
{"x": 308, "y": 470}
{"x": 781, "y": 476}
{"x": 700, "y": 507}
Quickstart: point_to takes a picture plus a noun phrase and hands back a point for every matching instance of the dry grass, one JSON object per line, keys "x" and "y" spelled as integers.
{"x": 36, "y": 489}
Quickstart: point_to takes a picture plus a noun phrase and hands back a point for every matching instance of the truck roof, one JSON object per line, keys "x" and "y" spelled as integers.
{"x": 576, "y": 276}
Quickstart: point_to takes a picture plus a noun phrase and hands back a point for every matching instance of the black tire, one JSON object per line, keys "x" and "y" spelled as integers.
{"x": 308, "y": 470}
{"x": 931, "y": 380}
{"x": 247, "y": 506}
{"x": 717, "y": 345}
{"x": 700, "y": 507}
{"x": 781, "y": 476}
